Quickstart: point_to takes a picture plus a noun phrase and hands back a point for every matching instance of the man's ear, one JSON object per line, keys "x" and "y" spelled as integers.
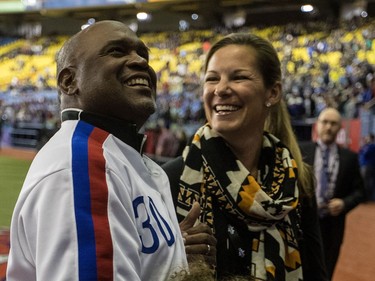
{"x": 66, "y": 81}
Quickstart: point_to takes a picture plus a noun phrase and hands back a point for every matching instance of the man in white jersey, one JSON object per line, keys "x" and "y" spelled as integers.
{"x": 92, "y": 206}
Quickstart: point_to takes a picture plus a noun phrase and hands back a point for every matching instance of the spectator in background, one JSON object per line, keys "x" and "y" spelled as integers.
{"x": 367, "y": 163}
{"x": 167, "y": 143}
{"x": 182, "y": 140}
{"x": 339, "y": 183}
{"x": 368, "y": 93}
{"x": 152, "y": 134}
{"x": 92, "y": 206}
{"x": 319, "y": 74}
{"x": 245, "y": 168}
{"x": 295, "y": 104}
{"x": 1, "y": 129}
{"x": 309, "y": 104}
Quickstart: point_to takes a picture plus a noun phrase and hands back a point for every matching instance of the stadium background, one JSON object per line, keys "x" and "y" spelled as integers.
{"x": 327, "y": 53}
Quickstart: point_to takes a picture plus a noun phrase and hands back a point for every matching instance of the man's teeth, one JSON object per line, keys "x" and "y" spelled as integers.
{"x": 137, "y": 81}
{"x": 226, "y": 108}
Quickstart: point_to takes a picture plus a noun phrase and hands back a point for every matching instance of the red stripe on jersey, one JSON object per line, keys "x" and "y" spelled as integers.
{"x": 99, "y": 205}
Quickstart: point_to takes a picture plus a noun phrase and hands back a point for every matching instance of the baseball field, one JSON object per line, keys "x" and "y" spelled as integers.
{"x": 14, "y": 164}
{"x": 12, "y": 174}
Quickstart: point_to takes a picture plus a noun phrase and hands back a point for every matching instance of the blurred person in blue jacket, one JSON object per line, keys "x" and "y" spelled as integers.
{"x": 367, "y": 163}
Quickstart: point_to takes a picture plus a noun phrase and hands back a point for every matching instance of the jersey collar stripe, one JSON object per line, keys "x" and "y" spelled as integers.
{"x": 90, "y": 254}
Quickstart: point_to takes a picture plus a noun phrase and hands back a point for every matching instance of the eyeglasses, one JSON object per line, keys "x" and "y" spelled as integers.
{"x": 329, "y": 122}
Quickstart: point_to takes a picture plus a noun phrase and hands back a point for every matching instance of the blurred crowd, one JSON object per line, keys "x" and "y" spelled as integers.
{"x": 323, "y": 65}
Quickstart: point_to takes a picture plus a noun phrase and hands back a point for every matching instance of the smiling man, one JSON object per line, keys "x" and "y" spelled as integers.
{"x": 92, "y": 206}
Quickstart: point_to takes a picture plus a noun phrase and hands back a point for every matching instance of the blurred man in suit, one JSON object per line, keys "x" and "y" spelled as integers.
{"x": 339, "y": 186}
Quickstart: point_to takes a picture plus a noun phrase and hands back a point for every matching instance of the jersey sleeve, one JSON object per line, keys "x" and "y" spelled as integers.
{"x": 43, "y": 233}
{"x": 58, "y": 235}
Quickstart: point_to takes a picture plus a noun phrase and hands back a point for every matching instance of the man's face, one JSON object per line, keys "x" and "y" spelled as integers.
{"x": 113, "y": 75}
{"x": 328, "y": 125}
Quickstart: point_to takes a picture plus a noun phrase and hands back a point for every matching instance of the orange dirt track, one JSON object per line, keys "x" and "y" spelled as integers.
{"x": 357, "y": 258}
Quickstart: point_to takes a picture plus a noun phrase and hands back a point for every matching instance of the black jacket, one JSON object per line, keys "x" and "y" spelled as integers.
{"x": 349, "y": 184}
{"x": 350, "y": 188}
{"x": 310, "y": 240}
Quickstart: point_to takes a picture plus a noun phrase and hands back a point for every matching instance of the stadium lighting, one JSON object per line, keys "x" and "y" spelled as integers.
{"x": 183, "y": 25}
{"x": 30, "y": 2}
{"x": 142, "y": 16}
{"x": 236, "y": 19}
{"x": 307, "y": 8}
{"x": 194, "y": 16}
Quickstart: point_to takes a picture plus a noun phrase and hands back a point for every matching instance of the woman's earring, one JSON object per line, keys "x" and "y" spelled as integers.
{"x": 268, "y": 104}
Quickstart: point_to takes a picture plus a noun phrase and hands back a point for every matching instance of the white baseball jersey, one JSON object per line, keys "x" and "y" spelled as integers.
{"x": 93, "y": 208}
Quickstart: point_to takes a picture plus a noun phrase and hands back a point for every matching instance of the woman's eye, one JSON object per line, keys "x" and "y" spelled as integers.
{"x": 208, "y": 79}
{"x": 240, "y": 77}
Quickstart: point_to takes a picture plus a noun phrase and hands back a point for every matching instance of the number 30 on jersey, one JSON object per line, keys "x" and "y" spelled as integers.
{"x": 155, "y": 227}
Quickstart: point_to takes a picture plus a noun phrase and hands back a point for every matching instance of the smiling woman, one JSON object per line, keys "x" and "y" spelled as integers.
{"x": 235, "y": 95}
{"x": 245, "y": 169}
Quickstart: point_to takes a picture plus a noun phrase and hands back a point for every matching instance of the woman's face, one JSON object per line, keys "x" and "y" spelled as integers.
{"x": 234, "y": 93}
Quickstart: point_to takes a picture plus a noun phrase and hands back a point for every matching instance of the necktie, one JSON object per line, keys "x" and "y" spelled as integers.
{"x": 324, "y": 175}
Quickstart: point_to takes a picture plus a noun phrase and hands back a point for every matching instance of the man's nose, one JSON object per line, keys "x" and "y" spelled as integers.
{"x": 137, "y": 60}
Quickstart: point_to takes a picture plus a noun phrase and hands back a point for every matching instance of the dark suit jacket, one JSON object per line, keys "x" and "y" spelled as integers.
{"x": 349, "y": 183}
{"x": 350, "y": 188}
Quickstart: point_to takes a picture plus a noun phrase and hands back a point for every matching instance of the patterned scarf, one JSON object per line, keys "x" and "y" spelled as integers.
{"x": 213, "y": 173}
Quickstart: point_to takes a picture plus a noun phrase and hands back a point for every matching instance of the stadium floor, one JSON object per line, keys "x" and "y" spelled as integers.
{"x": 356, "y": 261}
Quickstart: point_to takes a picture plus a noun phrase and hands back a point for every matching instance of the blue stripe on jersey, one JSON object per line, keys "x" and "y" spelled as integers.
{"x": 82, "y": 202}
